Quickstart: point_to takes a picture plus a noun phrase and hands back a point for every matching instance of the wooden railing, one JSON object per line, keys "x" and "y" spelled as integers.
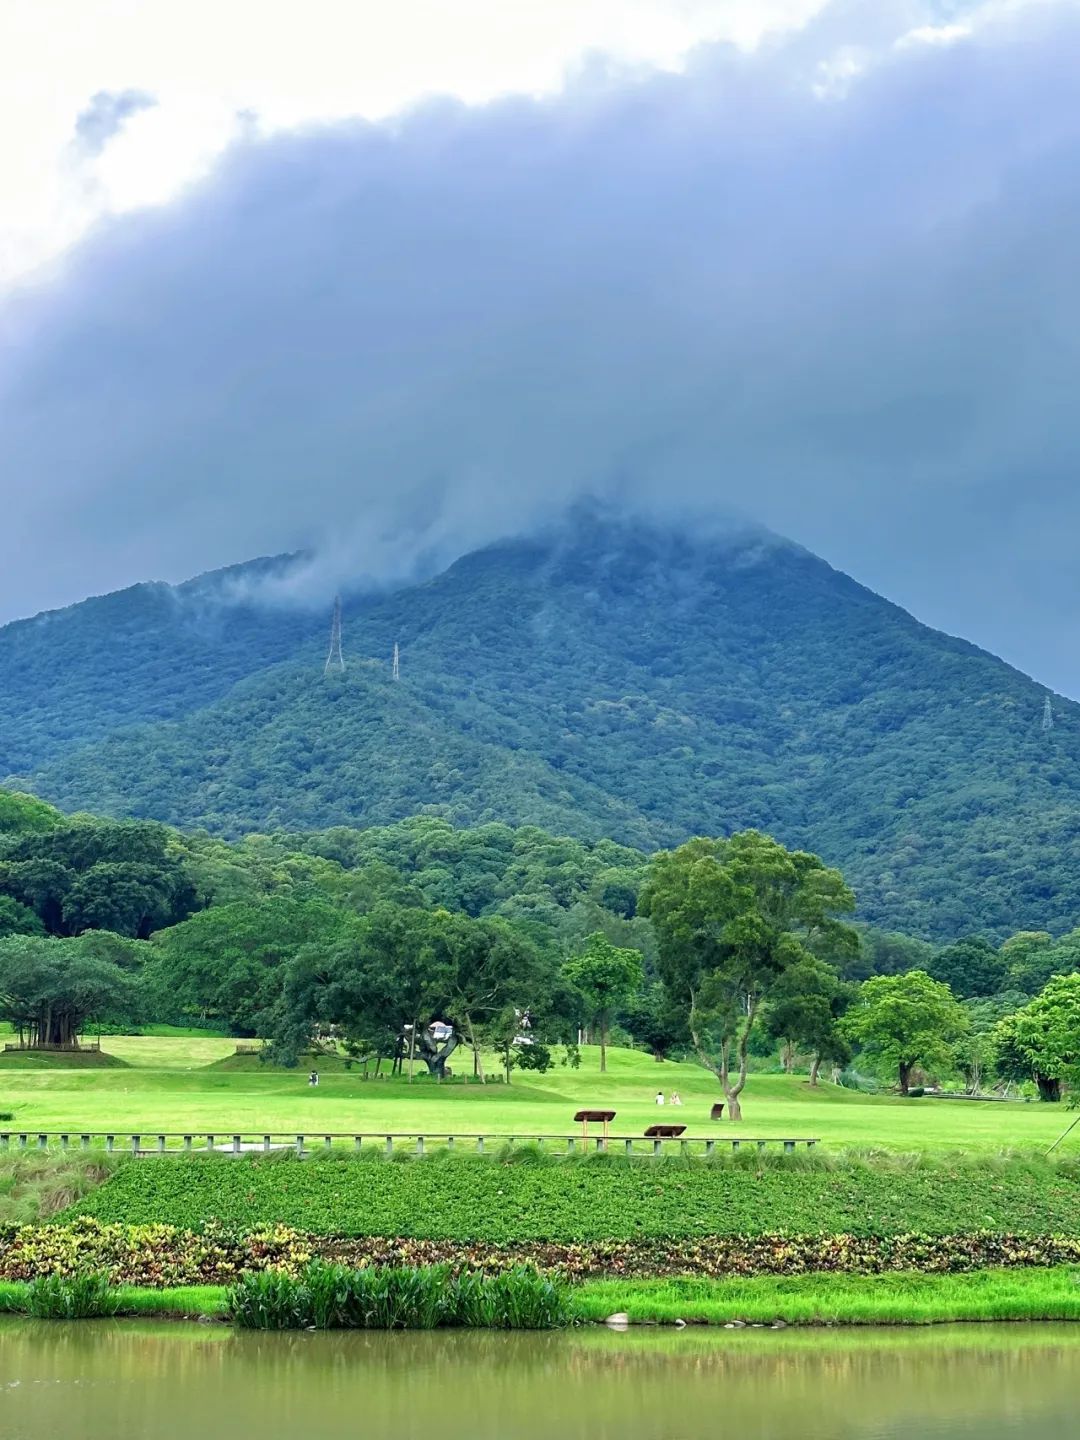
{"x": 165, "y": 1142}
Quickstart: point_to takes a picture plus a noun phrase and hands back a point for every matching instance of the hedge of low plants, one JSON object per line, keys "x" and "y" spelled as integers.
{"x": 527, "y": 1198}
{"x": 164, "y": 1256}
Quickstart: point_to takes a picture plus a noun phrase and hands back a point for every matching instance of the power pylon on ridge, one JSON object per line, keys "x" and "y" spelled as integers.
{"x": 335, "y": 660}
{"x": 396, "y": 673}
{"x": 1048, "y": 715}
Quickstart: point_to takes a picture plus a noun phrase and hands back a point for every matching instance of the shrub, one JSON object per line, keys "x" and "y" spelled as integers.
{"x": 380, "y": 1297}
{"x": 74, "y": 1297}
{"x": 270, "y": 1300}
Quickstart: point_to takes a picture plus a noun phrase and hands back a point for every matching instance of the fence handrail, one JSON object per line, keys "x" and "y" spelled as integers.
{"x": 526, "y": 1137}
{"x": 240, "y": 1142}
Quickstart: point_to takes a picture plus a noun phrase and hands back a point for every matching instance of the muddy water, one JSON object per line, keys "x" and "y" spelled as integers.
{"x": 123, "y": 1380}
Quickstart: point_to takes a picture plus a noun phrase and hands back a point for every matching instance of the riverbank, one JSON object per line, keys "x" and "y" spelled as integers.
{"x": 807, "y": 1300}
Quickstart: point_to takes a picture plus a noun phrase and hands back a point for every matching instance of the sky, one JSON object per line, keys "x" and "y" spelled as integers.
{"x": 386, "y": 283}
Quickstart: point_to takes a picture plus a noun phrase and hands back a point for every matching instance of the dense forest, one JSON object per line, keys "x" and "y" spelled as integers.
{"x": 725, "y": 949}
{"x": 603, "y": 681}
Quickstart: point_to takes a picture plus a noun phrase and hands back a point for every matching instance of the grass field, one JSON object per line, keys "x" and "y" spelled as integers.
{"x": 186, "y": 1083}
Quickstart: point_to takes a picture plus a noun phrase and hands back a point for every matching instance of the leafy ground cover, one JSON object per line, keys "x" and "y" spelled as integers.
{"x": 599, "y": 1198}
{"x": 166, "y": 1087}
{"x": 165, "y": 1256}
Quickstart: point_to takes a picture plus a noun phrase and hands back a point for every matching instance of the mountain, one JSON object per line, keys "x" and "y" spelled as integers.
{"x": 603, "y": 679}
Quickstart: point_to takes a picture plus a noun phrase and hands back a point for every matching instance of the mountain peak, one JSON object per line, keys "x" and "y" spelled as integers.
{"x": 604, "y": 677}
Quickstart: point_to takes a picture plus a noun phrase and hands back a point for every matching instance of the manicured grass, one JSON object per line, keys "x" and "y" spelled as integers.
{"x": 163, "y": 1092}
{"x": 139, "y": 1300}
{"x": 597, "y": 1198}
{"x": 53, "y": 1060}
{"x": 897, "y": 1299}
{"x": 169, "y": 1052}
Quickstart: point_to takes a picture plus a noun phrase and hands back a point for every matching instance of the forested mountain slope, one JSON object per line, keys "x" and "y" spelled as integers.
{"x": 627, "y": 682}
{"x": 149, "y": 652}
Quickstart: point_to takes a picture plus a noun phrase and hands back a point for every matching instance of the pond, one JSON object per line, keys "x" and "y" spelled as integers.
{"x": 124, "y": 1380}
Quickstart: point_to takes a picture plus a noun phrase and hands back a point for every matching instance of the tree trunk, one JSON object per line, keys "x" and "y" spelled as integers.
{"x": 1049, "y": 1087}
{"x": 733, "y": 1091}
{"x": 906, "y": 1067}
{"x": 478, "y": 1064}
{"x": 412, "y": 1050}
{"x": 815, "y": 1069}
{"x": 787, "y": 1057}
{"x": 603, "y": 1044}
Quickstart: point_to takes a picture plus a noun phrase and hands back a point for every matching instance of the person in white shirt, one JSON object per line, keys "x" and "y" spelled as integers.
{"x": 660, "y": 1097}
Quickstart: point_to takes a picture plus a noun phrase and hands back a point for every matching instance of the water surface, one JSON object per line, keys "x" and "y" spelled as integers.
{"x": 124, "y": 1380}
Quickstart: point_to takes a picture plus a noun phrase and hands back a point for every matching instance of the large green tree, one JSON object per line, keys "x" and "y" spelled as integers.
{"x": 805, "y": 1008}
{"x": 970, "y": 967}
{"x": 226, "y": 964}
{"x": 731, "y": 917}
{"x": 490, "y": 969}
{"x": 1033, "y": 958}
{"x": 1041, "y": 1041}
{"x": 906, "y": 1020}
{"x": 606, "y": 976}
{"x": 50, "y": 988}
{"x": 127, "y": 876}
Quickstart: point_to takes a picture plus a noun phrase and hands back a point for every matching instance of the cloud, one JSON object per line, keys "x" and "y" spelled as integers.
{"x": 104, "y": 117}
{"x": 850, "y": 313}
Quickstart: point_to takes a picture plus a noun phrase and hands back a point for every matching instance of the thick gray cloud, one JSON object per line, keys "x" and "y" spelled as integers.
{"x": 853, "y": 317}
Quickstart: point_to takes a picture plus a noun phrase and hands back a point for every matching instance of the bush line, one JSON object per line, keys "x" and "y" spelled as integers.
{"x": 164, "y": 1256}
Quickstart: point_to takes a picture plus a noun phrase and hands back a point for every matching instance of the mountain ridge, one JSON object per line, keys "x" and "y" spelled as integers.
{"x": 631, "y": 681}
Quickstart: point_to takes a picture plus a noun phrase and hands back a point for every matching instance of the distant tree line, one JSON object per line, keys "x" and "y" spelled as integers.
{"x": 418, "y": 944}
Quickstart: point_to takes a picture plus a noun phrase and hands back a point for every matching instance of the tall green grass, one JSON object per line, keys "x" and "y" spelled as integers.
{"x": 904, "y": 1298}
{"x": 35, "y": 1185}
{"x": 381, "y": 1297}
{"x": 71, "y": 1297}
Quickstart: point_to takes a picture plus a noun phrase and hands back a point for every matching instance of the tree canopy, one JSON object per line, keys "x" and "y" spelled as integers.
{"x": 731, "y": 917}
{"x": 906, "y": 1020}
{"x": 606, "y": 976}
{"x": 50, "y": 988}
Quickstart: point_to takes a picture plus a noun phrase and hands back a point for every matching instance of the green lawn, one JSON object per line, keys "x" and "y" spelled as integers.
{"x": 166, "y": 1085}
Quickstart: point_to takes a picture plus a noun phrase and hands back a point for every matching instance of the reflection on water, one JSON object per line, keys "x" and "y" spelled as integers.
{"x": 118, "y": 1380}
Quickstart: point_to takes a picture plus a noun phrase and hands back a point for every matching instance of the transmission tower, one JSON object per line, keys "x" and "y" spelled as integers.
{"x": 1048, "y": 715}
{"x": 396, "y": 673}
{"x": 335, "y": 660}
